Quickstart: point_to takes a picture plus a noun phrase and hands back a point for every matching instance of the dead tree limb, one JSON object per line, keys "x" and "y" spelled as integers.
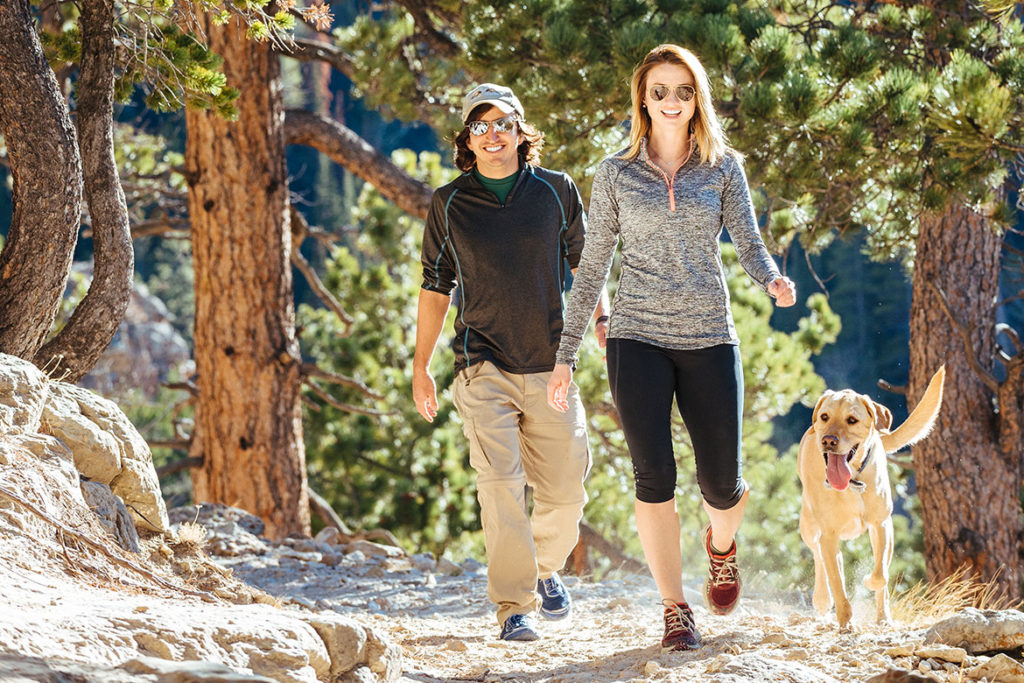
{"x": 322, "y": 509}
{"x": 591, "y": 537}
{"x": 892, "y": 388}
{"x": 344, "y": 407}
{"x": 986, "y": 377}
{"x": 314, "y": 370}
{"x": 300, "y": 229}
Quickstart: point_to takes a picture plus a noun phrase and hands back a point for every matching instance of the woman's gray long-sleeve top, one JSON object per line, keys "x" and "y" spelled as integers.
{"x": 672, "y": 291}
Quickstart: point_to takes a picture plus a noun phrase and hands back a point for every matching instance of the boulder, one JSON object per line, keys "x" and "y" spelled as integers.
{"x": 112, "y": 514}
{"x": 980, "y": 631}
{"x": 107, "y": 448}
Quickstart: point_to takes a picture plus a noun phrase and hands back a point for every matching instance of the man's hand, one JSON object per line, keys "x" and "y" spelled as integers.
{"x": 424, "y": 394}
{"x": 784, "y": 292}
{"x": 558, "y": 387}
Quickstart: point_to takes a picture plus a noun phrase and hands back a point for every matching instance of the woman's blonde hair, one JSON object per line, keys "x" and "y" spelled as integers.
{"x": 705, "y": 126}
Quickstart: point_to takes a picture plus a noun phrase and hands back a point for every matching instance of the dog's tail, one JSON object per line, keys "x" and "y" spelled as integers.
{"x": 921, "y": 420}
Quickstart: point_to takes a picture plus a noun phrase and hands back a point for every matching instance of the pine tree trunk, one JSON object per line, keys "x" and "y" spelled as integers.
{"x": 47, "y": 197}
{"x": 968, "y": 478}
{"x": 249, "y": 428}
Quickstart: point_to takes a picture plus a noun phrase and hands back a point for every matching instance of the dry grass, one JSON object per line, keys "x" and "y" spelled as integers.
{"x": 926, "y": 603}
{"x": 192, "y": 536}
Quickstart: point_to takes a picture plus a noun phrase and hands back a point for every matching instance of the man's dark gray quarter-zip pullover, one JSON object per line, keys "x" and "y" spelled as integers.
{"x": 672, "y": 291}
{"x": 507, "y": 262}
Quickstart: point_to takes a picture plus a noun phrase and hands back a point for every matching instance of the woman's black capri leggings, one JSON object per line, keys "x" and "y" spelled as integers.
{"x": 708, "y": 387}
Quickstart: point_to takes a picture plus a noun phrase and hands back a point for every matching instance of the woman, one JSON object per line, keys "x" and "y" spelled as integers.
{"x": 671, "y": 333}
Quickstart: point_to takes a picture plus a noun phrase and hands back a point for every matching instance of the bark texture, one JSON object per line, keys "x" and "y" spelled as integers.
{"x": 75, "y": 350}
{"x": 357, "y": 156}
{"x": 47, "y": 197}
{"x": 248, "y": 423}
{"x": 968, "y": 471}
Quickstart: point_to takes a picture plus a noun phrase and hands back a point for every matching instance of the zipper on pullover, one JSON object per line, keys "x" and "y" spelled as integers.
{"x": 669, "y": 182}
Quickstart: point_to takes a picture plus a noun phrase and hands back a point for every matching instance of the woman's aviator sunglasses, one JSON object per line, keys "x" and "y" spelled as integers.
{"x": 506, "y": 124}
{"x": 685, "y": 93}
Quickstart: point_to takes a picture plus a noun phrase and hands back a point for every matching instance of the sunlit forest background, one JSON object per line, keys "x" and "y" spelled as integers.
{"x": 857, "y": 121}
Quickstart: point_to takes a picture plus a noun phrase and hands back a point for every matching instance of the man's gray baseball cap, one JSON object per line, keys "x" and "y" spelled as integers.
{"x": 497, "y": 95}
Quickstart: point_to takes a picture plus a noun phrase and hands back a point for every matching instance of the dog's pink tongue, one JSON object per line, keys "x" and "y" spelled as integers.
{"x": 837, "y": 472}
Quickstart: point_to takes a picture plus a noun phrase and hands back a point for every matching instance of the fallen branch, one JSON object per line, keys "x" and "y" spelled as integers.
{"x": 590, "y": 536}
{"x": 188, "y": 386}
{"x": 100, "y": 548}
{"x": 322, "y": 509}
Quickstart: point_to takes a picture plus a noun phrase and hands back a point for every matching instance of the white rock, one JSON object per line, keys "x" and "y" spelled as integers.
{"x": 980, "y": 630}
{"x": 23, "y": 392}
{"x": 943, "y": 652}
{"x": 999, "y": 669}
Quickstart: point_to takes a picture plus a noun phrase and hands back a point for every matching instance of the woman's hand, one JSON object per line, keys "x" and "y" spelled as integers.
{"x": 784, "y": 292}
{"x": 558, "y": 387}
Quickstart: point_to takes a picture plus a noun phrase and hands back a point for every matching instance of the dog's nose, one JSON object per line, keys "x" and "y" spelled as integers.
{"x": 830, "y": 443}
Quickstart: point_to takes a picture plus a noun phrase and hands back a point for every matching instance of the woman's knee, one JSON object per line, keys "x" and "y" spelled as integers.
{"x": 723, "y": 495}
{"x": 655, "y": 486}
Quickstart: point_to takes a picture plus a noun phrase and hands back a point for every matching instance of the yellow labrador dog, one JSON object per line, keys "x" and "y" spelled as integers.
{"x": 845, "y": 478}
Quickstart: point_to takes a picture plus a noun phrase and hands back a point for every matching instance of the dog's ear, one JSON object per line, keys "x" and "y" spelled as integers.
{"x": 817, "y": 406}
{"x": 883, "y": 416}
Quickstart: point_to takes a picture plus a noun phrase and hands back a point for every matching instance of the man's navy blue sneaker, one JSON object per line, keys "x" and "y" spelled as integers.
{"x": 518, "y": 627}
{"x": 554, "y": 598}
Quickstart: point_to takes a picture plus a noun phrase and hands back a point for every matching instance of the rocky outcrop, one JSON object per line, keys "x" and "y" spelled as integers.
{"x": 97, "y": 585}
{"x": 56, "y": 421}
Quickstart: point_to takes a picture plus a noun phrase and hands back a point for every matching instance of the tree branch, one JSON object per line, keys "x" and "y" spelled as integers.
{"x": 344, "y": 407}
{"x": 309, "y": 50}
{"x": 314, "y": 370}
{"x": 322, "y": 509}
{"x": 299, "y": 231}
{"x": 346, "y": 148}
{"x": 892, "y": 388}
{"x": 87, "y": 334}
{"x": 47, "y": 173}
{"x": 178, "y": 465}
{"x": 590, "y": 536}
{"x": 439, "y": 43}
{"x": 964, "y": 331}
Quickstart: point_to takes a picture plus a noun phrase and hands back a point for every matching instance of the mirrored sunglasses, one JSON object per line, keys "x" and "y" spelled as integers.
{"x": 685, "y": 93}
{"x": 506, "y": 124}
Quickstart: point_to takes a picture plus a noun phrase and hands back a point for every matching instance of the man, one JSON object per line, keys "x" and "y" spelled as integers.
{"x": 500, "y": 235}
